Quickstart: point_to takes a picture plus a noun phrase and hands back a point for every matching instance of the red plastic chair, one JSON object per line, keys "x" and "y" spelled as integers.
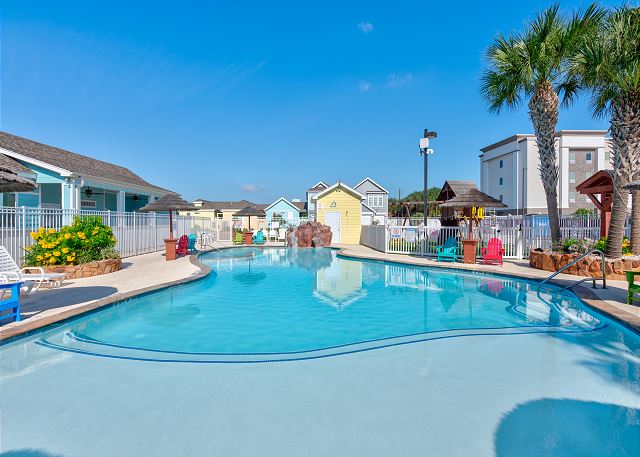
{"x": 183, "y": 245}
{"x": 494, "y": 252}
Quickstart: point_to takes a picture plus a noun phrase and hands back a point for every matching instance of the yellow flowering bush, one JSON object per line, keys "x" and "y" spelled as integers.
{"x": 87, "y": 239}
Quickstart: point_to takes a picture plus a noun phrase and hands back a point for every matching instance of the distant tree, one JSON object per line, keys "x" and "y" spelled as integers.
{"x": 395, "y": 206}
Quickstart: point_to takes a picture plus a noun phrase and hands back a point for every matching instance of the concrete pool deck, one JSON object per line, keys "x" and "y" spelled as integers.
{"x": 148, "y": 272}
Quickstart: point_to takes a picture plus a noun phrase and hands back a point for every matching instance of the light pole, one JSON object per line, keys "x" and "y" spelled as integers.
{"x": 425, "y": 151}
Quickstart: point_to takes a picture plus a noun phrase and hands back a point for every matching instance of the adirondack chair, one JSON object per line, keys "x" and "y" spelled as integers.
{"x": 258, "y": 238}
{"x": 192, "y": 243}
{"x": 633, "y": 287}
{"x": 493, "y": 252}
{"x": 11, "y": 303}
{"x": 448, "y": 250}
{"x": 183, "y": 245}
{"x": 238, "y": 239}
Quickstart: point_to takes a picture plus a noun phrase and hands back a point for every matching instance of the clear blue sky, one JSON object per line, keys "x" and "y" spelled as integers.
{"x": 261, "y": 99}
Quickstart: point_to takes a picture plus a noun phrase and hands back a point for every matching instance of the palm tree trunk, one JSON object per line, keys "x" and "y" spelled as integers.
{"x": 543, "y": 112}
{"x": 635, "y": 221}
{"x": 625, "y": 136}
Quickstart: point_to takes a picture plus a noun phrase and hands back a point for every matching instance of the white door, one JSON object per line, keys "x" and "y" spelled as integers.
{"x": 333, "y": 221}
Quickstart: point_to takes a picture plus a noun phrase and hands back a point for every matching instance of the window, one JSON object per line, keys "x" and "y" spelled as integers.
{"x": 572, "y": 176}
{"x": 607, "y": 156}
{"x": 572, "y": 196}
{"x": 589, "y": 157}
{"x": 587, "y": 174}
{"x": 501, "y": 197}
{"x": 501, "y": 163}
{"x": 572, "y": 157}
{"x": 501, "y": 181}
{"x": 375, "y": 201}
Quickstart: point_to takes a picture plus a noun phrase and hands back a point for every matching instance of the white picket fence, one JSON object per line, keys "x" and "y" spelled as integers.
{"x": 517, "y": 241}
{"x": 137, "y": 233}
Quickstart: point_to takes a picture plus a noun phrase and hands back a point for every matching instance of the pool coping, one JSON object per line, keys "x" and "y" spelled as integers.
{"x": 47, "y": 323}
{"x": 586, "y": 295}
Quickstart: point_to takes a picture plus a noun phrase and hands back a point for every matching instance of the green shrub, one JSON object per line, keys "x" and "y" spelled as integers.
{"x": 87, "y": 239}
{"x": 601, "y": 244}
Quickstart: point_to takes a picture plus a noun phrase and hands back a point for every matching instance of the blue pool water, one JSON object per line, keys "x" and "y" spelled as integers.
{"x": 301, "y": 352}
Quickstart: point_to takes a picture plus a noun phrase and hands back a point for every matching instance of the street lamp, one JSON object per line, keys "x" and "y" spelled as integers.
{"x": 425, "y": 151}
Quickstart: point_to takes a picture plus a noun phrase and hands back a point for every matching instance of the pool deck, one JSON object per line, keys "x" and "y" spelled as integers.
{"x": 148, "y": 272}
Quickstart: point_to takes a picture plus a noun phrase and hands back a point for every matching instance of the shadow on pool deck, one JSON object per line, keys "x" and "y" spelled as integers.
{"x": 41, "y": 301}
{"x": 549, "y": 427}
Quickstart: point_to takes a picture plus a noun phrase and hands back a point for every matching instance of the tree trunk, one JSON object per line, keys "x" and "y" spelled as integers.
{"x": 635, "y": 220}
{"x": 625, "y": 136}
{"x": 543, "y": 112}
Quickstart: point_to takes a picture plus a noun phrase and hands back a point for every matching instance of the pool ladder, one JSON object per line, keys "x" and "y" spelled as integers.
{"x": 580, "y": 281}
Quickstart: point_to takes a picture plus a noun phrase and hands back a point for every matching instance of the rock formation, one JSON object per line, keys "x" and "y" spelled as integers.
{"x": 309, "y": 235}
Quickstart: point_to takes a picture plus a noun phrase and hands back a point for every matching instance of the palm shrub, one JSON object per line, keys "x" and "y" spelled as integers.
{"x": 534, "y": 65}
{"x": 607, "y": 63}
{"x": 87, "y": 239}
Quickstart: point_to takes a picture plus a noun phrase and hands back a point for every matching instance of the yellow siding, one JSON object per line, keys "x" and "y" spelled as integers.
{"x": 349, "y": 206}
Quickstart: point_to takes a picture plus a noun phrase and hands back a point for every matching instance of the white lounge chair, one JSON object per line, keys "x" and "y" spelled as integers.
{"x": 10, "y": 270}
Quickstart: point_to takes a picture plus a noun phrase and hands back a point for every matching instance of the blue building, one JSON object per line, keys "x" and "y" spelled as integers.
{"x": 67, "y": 180}
{"x": 282, "y": 210}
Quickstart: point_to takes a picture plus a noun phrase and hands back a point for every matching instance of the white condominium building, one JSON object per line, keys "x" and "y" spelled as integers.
{"x": 509, "y": 170}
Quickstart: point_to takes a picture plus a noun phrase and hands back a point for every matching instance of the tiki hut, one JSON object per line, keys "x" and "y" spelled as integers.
{"x": 472, "y": 198}
{"x": 170, "y": 202}
{"x": 248, "y": 211}
{"x": 452, "y": 189}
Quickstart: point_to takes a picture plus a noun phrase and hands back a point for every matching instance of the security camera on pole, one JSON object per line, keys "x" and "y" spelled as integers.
{"x": 425, "y": 151}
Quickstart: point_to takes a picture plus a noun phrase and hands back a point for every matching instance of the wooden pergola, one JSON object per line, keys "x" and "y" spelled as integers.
{"x": 599, "y": 189}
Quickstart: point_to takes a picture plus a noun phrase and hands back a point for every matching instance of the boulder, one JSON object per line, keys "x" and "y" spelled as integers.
{"x": 309, "y": 235}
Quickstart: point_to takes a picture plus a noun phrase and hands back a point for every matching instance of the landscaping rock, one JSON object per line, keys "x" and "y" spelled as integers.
{"x": 88, "y": 269}
{"x": 589, "y": 266}
{"x": 309, "y": 234}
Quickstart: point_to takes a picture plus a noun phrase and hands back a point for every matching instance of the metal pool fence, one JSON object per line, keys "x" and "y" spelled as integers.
{"x": 137, "y": 233}
{"x": 517, "y": 241}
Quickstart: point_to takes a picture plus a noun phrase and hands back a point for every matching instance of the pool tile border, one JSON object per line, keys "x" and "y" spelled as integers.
{"x": 586, "y": 295}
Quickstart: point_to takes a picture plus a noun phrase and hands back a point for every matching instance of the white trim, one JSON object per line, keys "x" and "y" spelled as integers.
{"x": 372, "y": 211}
{"x": 318, "y": 183}
{"x": 286, "y": 201}
{"x": 61, "y": 171}
{"x": 335, "y": 186}
{"x": 372, "y": 182}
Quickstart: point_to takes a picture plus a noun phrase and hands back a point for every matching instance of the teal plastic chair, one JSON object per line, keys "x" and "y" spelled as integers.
{"x": 192, "y": 243}
{"x": 449, "y": 250}
{"x": 258, "y": 238}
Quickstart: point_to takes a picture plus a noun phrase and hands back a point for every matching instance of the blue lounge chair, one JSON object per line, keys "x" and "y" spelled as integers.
{"x": 448, "y": 251}
{"x": 12, "y": 304}
{"x": 192, "y": 243}
{"x": 258, "y": 238}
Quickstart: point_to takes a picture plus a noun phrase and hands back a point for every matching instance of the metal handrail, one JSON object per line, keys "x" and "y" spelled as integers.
{"x": 603, "y": 279}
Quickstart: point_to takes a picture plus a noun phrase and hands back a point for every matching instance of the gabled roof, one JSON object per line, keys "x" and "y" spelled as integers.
{"x": 302, "y": 206}
{"x": 451, "y": 189}
{"x": 229, "y": 205}
{"x": 367, "y": 208}
{"x": 342, "y": 185}
{"x": 11, "y": 164}
{"x": 372, "y": 182}
{"x": 318, "y": 186}
{"x": 282, "y": 199}
{"x": 70, "y": 162}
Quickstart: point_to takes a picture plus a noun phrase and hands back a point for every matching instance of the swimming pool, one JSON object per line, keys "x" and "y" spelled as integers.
{"x": 301, "y": 352}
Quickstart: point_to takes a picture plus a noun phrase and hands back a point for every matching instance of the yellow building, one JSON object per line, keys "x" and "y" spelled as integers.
{"x": 340, "y": 207}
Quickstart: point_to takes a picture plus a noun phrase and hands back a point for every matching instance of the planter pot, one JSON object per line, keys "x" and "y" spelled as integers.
{"x": 86, "y": 270}
{"x": 589, "y": 266}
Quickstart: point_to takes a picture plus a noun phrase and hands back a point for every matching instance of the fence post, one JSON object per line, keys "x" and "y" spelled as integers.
{"x": 386, "y": 239}
{"x": 24, "y": 229}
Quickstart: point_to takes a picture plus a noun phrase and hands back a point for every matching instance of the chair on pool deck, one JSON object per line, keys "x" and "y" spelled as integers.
{"x": 258, "y": 238}
{"x": 633, "y": 293}
{"x": 493, "y": 253}
{"x": 238, "y": 239}
{"x": 192, "y": 243}
{"x": 448, "y": 250}
{"x": 183, "y": 245}
{"x": 31, "y": 282}
{"x": 11, "y": 303}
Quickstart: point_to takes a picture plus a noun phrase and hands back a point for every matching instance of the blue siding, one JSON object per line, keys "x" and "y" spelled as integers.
{"x": 285, "y": 210}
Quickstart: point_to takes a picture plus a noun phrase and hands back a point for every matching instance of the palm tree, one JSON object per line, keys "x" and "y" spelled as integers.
{"x": 608, "y": 64}
{"x": 534, "y": 64}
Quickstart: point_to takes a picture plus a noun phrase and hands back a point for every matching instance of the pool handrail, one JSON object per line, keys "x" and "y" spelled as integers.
{"x": 575, "y": 283}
